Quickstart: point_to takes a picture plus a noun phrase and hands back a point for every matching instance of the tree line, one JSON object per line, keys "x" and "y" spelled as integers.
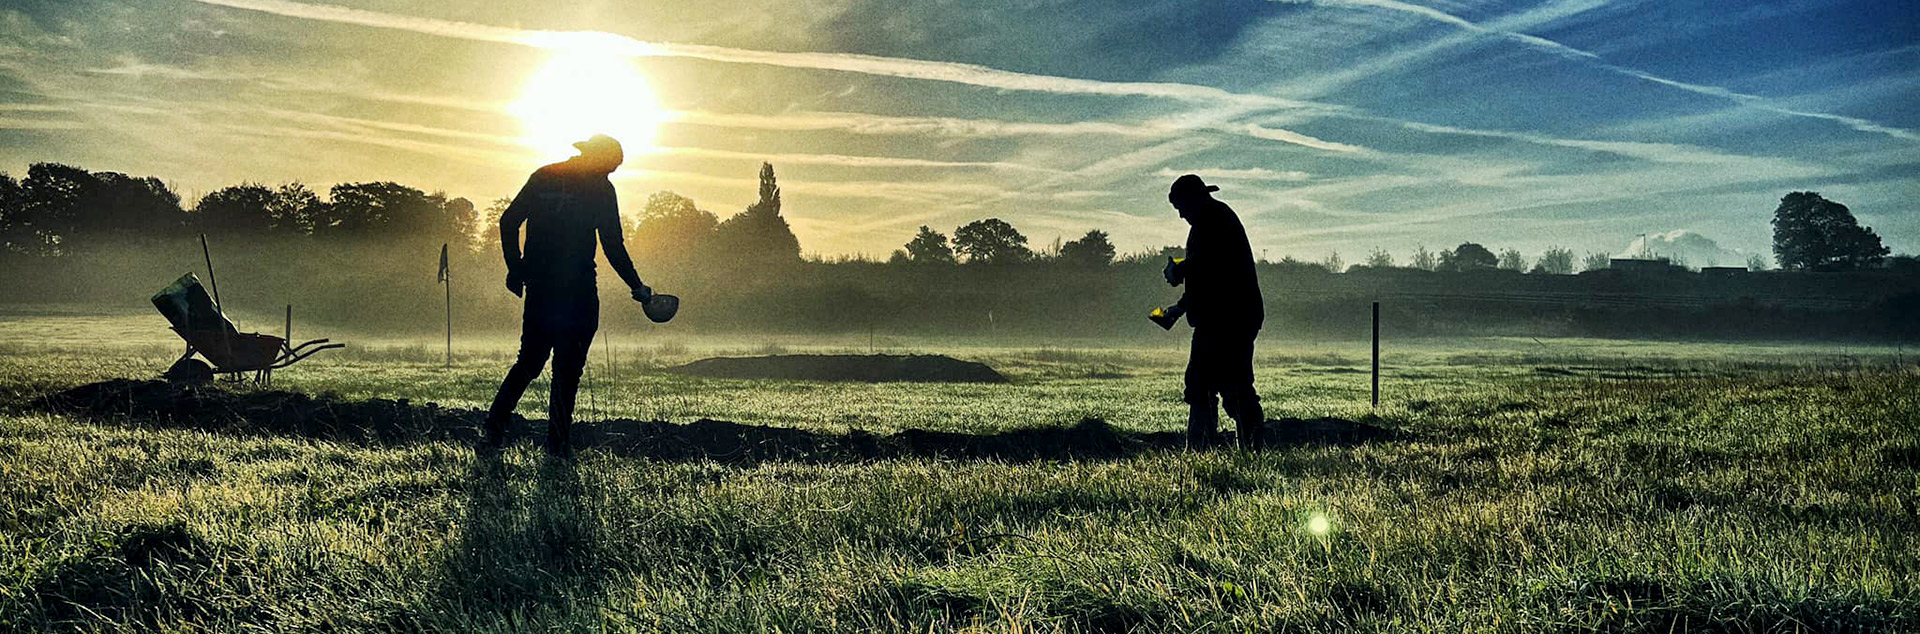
{"x": 58, "y": 209}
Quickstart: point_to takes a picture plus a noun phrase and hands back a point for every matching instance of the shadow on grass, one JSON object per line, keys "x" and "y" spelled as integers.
{"x": 523, "y": 557}
{"x": 382, "y": 421}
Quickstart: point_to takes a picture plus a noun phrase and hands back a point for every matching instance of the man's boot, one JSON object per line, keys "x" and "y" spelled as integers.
{"x": 1251, "y": 425}
{"x": 560, "y": 420}
{"x": 560, "y": 436}
{"x": 1203, "y": 426}
{"x": 494, "y": 432}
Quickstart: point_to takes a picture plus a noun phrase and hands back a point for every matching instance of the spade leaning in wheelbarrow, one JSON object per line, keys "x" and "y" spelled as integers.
{"x": 564, "y": 206}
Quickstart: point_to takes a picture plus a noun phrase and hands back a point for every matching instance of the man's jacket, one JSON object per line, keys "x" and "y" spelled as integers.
{"x": 564, "y": 206}
{"x": 1223, "y": 291}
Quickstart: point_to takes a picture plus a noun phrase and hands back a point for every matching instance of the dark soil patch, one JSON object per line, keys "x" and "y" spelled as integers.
{"x": 382, "y": 421}
{"x": 872, "y": 368}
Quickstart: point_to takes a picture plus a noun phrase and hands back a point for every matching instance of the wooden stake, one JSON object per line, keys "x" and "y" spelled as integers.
{"x": 211, "y": 280}
{"x": 1376, "y": 354}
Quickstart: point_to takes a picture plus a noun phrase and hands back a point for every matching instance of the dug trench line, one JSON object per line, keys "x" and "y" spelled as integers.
{"x": 248, "y": 412}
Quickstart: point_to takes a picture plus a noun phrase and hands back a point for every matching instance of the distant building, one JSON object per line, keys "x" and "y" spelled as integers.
{"x": 1636, "y": 265}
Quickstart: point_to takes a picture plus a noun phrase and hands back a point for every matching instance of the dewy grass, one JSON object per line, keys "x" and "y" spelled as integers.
{"x": 1622, "y": 491}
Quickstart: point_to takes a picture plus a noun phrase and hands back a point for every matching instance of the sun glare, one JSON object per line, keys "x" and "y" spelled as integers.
{"x": 583, "y": 92}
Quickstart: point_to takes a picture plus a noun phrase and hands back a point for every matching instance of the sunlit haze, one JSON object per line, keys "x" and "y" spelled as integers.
{"x": 582, "y": 93}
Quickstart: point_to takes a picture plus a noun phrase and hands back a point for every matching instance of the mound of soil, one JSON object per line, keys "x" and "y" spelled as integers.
{"x": 383, "y": 421}
{"x": 1326, "y": 430}
{"x": 872, "y": 368}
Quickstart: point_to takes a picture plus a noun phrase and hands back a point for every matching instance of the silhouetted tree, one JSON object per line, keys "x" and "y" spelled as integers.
{"x": 1811, "y": 232}
{"x": 380, "y": 209}
{"x": 59, "y": 207}
{"x": 1333, "y": 263}
{"x": 1513, "y": 260}
{"x": 1091, "y": 250}
{"x": 1556, "y": 261}
{"x": 991, "y": 241}
{"x": 672, "y": 231}
{"x": 1468, "y": 257}
{"x": 1756, "y": 262}
{"x": 1596, "y": 262}
{"x": 758, "y": 237}
{"x": 15, "y": 234}
{"x": 490, "y": 225}
{"x": 462, "y": 220}
{"x": 929, "y": 247}
{"x": 295, "y": 209}
{"x": 1424, "y": 259}
{"x": 1379, "y": 259}
{"x": 239, "y": 209}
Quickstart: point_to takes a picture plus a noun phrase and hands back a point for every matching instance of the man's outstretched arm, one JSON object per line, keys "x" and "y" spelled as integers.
{"x": 616, "y": 247}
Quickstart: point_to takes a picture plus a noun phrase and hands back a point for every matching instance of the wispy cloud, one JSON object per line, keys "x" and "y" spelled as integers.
{"x": 970, "y": 74}
{"x": 844, "y": 160}
{"x": 1597, "y": 61}
{"x": 1249, "y": 174}
{"x": 16, "y": 123}
{"x": 952, "y": 72}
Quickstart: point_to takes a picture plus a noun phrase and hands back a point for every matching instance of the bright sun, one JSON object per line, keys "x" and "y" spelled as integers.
{"x": 583, "y": 92}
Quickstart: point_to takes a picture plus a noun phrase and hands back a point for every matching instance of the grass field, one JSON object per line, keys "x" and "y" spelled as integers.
{"x": 1556, "y": 485}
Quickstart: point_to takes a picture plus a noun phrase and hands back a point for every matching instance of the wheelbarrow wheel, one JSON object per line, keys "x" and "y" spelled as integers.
{"x": 189, "y": 371}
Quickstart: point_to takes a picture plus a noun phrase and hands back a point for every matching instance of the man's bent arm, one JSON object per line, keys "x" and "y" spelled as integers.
{"x": 616, "y": 248}
{"x": 510, "y": 221}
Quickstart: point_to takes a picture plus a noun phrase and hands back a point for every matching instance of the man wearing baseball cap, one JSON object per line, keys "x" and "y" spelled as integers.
{"x": 1222, "y": 303}
{"x": 564, "y": 206}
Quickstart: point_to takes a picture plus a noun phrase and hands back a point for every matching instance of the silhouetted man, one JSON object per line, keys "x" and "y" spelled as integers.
{"x": 1222, "y": 304}
{"x": 564, "y": 205}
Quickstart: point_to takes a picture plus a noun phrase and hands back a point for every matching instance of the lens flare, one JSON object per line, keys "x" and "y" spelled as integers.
{"x": 1319, "y": 524}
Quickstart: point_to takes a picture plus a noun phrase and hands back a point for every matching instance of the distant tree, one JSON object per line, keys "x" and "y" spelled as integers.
{"x": 1513, "y": 260}
{"x": 991, "y": 241}
{"x": 1756, "y": 262}
{"x": 16, "y": 233}
{"x": 132, "y": 206}
{"x": 384, "y": 210}
{"x": 929, "y": 247}
{"x": 59, "y": 207}
{"x": 1468, "y": 256}
{"x": 239, "y": 209}
{"x": 1556, "y": 261}
{"x": 1333, "y": 263}
{"x": 899, "y": 258}
{"x": 462, "y": 220}
{"x": 1424, "y": 259}
{"x": 759, "y": 236}
{"x": 672, "y": 232}
{"x": 1288, "y": 265}
{"x": 1379, "y": 259}
{"x": 1596, "y": 262}
{"x": 1813, "y": 233}
{"x": 1903, "y": 263}
{"x": 490, "y": 225}
{"x": 1091, "y": 250}
{"x": 295, "y": 209}
{"x": 1052, "y": 251}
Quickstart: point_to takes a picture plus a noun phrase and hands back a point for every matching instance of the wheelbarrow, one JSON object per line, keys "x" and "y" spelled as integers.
{"x": 197, "y": 318}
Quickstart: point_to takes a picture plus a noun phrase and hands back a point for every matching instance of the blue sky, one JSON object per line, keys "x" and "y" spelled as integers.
{"x": 1336, "y": 125}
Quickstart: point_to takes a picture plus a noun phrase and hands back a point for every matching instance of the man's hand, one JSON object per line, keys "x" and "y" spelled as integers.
{"x": 514, "y": 284}
{"x": 642, "y": 294}
{"x": 1175, "y": 271}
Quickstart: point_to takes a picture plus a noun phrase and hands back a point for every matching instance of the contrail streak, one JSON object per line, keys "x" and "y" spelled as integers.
{"x": 1569, "y": 52}
{"x": 952, "y": 72}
